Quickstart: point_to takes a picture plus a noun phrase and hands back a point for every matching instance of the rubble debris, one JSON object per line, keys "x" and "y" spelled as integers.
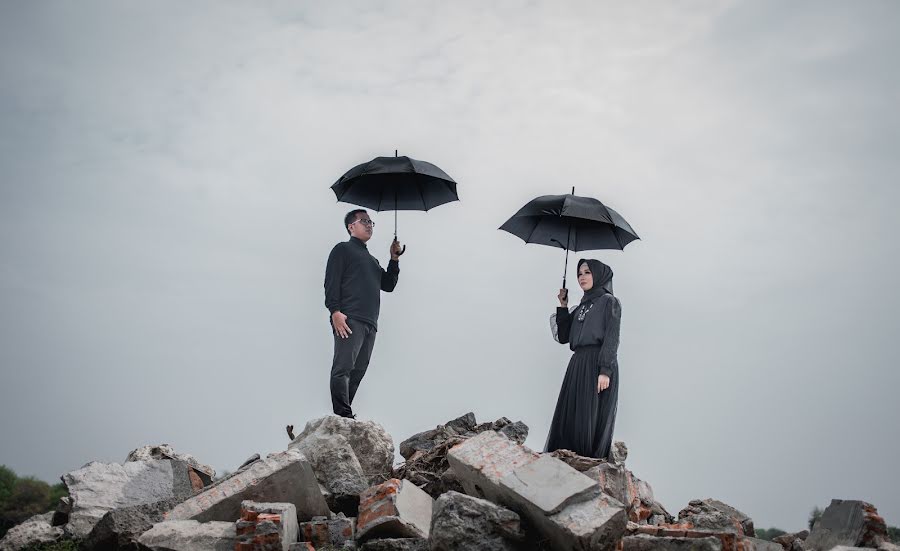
{"x": 396, "y": 508}
{"x": 120, "y": 528}
{"x": 643, "y": 542}
{"x": 205, "y": 473}
{"x": 284, "y": 477}
{"x": 460, "y": 521}
{"x": 793, "y": 541}
{"x": 266, "y": 526}
{"x": 426, "y": 452}
{"x": 637, "y": 496}
{"x": 347, "y": 457}
{"x": 335, "y": 531}
{"x": 98, "y": 488}
{"x": 33, "y": 532}
{"x": 714, "y": 514}
{"x": 396, "y": 544}
{"x": 848, "y": 522}
{"x": 189, "y": 535}
{"x": 482, "y": 464}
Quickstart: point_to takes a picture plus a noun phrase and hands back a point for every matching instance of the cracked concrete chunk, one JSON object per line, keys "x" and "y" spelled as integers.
{"x": 550, "y": 484}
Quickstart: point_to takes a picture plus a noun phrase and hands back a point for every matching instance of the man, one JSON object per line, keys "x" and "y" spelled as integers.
{"x": 353, "y": 283}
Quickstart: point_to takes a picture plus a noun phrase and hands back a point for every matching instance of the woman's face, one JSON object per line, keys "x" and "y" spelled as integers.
{"x": 585, "y": 277}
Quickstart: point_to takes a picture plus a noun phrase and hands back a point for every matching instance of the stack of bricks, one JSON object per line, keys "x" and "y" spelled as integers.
{"x": 266, "y": 526}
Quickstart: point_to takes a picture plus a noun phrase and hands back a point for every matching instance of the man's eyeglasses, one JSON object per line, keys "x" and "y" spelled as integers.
{"x": 364, "y": 222}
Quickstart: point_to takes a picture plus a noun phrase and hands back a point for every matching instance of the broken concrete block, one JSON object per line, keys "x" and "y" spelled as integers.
{"x": 550, "y": 485}
{"x": 643, "y": 542}
{"x": 266, "y": 526}
{"x": 204, "y": 473}
{"x": 459, "y": 521}
{"x": 284, "y": 477}
{"x": 396, "y": 508}
{"x": 755, "y": 544}
{"x": 31, "y": 533}
{"x": 334, "y": 531}
{"x": 483, "y": 462}
{"x": 848, "y": 522}
{"x": 337, "y": 469}
{"x": 618, "y": 452}
{"x": 716, "y": 515}
{"x": 98, "y": 488}
{"x": 620, "y": 483}
{"x": 396, "y": 544}
{"x": 189, "y": 535}
{"x": 119, "y": 528}
{"x": 370, "y": 443}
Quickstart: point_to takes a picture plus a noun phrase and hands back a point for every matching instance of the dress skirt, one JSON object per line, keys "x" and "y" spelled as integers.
{"x": 584, "y": 419}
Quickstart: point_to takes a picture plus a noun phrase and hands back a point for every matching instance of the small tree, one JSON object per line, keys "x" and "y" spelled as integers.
{"x": 7, "y": 483}
{"x": 814, "y": 516}
{"x": 894, "y": 534}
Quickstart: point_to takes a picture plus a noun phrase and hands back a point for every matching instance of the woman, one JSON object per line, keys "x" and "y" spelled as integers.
{"x": 586, "y": 409}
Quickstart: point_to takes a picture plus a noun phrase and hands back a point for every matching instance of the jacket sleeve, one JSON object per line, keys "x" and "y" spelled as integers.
{"x": 334, "y": 273}
{"x": 563, "y": 320}
{"x": 609, "y": 350}
{"x": 390, "y": 276}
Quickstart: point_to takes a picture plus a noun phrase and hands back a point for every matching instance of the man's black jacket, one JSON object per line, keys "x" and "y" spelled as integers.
{"x": 354, "y": 280}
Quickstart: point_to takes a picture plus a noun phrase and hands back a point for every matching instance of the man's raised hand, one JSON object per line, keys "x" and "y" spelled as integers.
{"x": 339, "y": 321}
{"x": 397, "y": 250}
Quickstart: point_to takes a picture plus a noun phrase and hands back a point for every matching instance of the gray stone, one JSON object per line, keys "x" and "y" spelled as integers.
{"x": 284, "y": 477}
{"x": 98, "y": 488}
{"x": 715, "y": 515}
{"x": 482, "y": 462}
{"x": 34, "y": 531}
{"x": 517, "y": 432}
{"x": 755, "y": 544}
{"x": 620, "y": 483}
{"x": 370, "y": 443}
{"x": 165, "y": 451}
{"x": 426, "y": 452}
{"x": 618, "y": 452}
{"x": 189, "y": 535}
{"x": 786, "y": 541}
{"x": 426, "y": 440}
{"x": 119, "y": 528}
{"x": 337, "y": 469}
{"x": 396, "y": 508}
{"x": 459, "y": 521}
{"x": 550, "y": 485}
{"x": 642, "y": 542}
{"x": 850, "y": 523}
{"x": 396, "y": 544}
{"x": 277, "y": 519}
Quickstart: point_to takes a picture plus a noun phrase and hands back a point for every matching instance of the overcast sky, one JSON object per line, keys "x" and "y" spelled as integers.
{"x": 165, "y": 217}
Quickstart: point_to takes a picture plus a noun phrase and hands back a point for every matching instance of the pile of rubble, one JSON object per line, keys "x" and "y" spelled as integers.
{"x": 463, "y": 485}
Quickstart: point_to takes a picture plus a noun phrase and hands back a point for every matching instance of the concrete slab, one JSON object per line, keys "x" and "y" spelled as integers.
{"x": 284, "y": 477}
{"x": 550, "y": 484}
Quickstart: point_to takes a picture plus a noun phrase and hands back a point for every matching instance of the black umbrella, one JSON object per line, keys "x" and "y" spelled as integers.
{"x": 396, "y": 183}
{"x": 572, "y": 223}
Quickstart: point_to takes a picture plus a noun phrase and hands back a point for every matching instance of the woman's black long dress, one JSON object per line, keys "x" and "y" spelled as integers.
{"x": 584, "y": 419}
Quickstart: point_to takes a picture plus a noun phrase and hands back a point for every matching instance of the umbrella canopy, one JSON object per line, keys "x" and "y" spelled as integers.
{"x": 572, "y": 223}
{"x": 396, "y": 183}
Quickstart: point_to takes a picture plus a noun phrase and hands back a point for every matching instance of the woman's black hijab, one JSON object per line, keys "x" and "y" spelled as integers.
{"x": 602, "y": 275}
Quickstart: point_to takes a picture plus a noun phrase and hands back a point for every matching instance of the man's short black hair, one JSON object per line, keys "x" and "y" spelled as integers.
{"x": 351, "y": 217}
